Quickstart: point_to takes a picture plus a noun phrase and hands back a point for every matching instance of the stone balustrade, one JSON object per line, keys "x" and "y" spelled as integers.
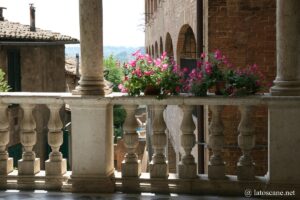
{"x": 92, "y": 145}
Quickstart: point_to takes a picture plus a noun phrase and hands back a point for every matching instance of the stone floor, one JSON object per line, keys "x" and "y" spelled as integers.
{"x": 44, "y": 195}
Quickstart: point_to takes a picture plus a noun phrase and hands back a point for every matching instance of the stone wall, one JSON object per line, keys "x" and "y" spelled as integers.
{"x": 170, "y": 17}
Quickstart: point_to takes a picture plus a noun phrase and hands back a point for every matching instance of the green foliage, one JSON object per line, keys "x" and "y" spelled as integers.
{"x": 4, "y": 87}
{"x": 119, "y": 118}
{"x": 160, "y": 74}
{"x": 114, "y": 74}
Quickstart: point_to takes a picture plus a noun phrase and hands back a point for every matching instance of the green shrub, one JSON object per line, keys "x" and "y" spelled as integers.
{"x": 4, "y": 87}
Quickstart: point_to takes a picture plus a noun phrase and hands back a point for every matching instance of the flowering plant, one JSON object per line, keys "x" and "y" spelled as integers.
{"x": 214, "y": 68}
{"x": 145, "y": 73}
{"x": 244, "y": 81}
{"x": 209, "y": 71}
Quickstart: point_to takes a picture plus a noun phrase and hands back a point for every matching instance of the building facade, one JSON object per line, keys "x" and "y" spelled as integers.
{"x": 244, "y": 30}
{"x": 33, "y": 61}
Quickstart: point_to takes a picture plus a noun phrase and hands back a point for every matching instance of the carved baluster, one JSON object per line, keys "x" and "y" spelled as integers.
{"x": 246, "y": 141}
{"x": 158, "y": 165}
{"x": 6, "y": 163}
{"x": 56, "y": 165}
{"x": 216, "y": 167}
{"x": 187, "y": 167}
{"x": 29, "y": 164}
{"x": 131, "y": 166}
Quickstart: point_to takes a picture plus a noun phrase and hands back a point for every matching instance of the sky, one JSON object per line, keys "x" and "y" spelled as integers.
{"x": 122, "y": 19}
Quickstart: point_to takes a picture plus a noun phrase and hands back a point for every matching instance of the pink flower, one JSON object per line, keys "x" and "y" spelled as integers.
{"x": 185, "y": 70}
{"x": 122, "y": 88}
{"x": 163, "y": 55}
{"x": 165, "y": 67}
{"x": 208, "y": 68}
{"x": 157, "y": 62}
{"x": 218, "y": 54}
{"x": 177, "y": 89}
{"x": 137, "y": 53}
{"x": 132, "y": 63}
{"x": 203, "y": 55}
{"x": 148, "y": 73}
{"x": 199, "y": 64}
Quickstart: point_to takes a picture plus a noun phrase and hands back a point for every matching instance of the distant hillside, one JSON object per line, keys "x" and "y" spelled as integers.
{"x": 122, "y": 54}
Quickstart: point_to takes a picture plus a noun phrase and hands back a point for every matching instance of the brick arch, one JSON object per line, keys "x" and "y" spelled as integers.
{"x": 156, "y": 50}
{"x": 169, "y": 46}
{"x": 186, "y": 45}
{"x": 161, "y": 45}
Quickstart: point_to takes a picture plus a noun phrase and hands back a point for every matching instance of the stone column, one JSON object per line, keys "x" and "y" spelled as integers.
{"x": 287, "y": 82}
{"x": 246, "y": 141}
{"x": 216, "y": 166}
{"x": 91, "y": 43}
{"x": 158, "y": 166}
{"x": 29, "y": 164}
{"x": 56, "y": 165}
{"x": 92, "y": 145}
{"x": 6, "y": 163}
{"x": 131, "y": 166}
{"x": 187, "y": 167}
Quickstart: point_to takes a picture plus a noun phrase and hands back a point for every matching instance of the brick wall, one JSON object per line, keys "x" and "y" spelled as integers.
{"x": 245, "y": 31}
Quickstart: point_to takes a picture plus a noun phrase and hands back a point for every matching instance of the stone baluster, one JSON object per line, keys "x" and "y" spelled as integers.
{"x": 29, "y": 164}
{"x": 246, "y": 141}
{"x": 216, "y": 166}
{"x": 6, "y": 163}
{"x": 131, "y": 166}
{"x": 56, "y": 165}
{"x": 187, "y": 166}
{"x": 158, "y": 165}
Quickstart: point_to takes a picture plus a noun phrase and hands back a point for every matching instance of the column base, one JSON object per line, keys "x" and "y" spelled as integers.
{"x": 131, "y": 169}
{"x": 285, "y": 88}
{"x": 6, "y": 166}
{"x": 159, "y": 170}
{"x": 187, "y": 171}
{"x": 92, "y": 184}
{"x": 245, "y": 172}
{"x": 29, "y": 167}
{"x": 55, "y": 167}
{"x": 92, "y": 86}
{"x": 216, "y": 172}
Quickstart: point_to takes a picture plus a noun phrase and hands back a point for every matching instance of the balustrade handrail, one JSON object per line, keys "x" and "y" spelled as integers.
{"x": 121, "y": 98}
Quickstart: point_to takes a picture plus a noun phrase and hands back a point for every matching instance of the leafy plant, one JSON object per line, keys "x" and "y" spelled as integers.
{"x": 4, "y": 87}
{"x": 114, "y": 72}
{"x": 161, "y": 74}
{"x": 244, "y": 81}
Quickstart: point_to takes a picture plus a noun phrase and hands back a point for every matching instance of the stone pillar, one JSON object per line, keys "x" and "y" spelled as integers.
{"x": 92, "y": 145}
{"x": 187, "y": 167}
{"x": 216, "y": 166}
{"x": 287, "y": 82}
{"x": 91, "y": 43}
{"x": 29, "y": 164}
{"x": 56, "y": 165}
{"x": 131, "y": 166}
{"x": 158, "y": 166}
{"x": 246, "y": 141}
{"x": 6, "y": 163}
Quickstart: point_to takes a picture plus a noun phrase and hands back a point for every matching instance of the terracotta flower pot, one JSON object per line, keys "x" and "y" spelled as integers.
{"x": 151, "y": 90}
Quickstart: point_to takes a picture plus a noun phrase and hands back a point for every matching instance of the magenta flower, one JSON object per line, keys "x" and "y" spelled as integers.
{"x": 218, "y": 55}
{"x": 132, "y": 63}
{"x": 157, "y": 62}
{"x": 165, "y": 67}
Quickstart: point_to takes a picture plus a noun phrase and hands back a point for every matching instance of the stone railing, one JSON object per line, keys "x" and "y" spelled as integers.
{"x": 92, "y": 146}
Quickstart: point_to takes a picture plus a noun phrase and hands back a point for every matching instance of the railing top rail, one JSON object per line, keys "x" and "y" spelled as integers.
{"x": 120, "y": 98}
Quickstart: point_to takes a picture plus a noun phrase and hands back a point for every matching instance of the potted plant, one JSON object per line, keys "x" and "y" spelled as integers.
{"x": 209, "y": 74}
{"x": 246, "y": 81}
{"x": 145, "y": 75}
